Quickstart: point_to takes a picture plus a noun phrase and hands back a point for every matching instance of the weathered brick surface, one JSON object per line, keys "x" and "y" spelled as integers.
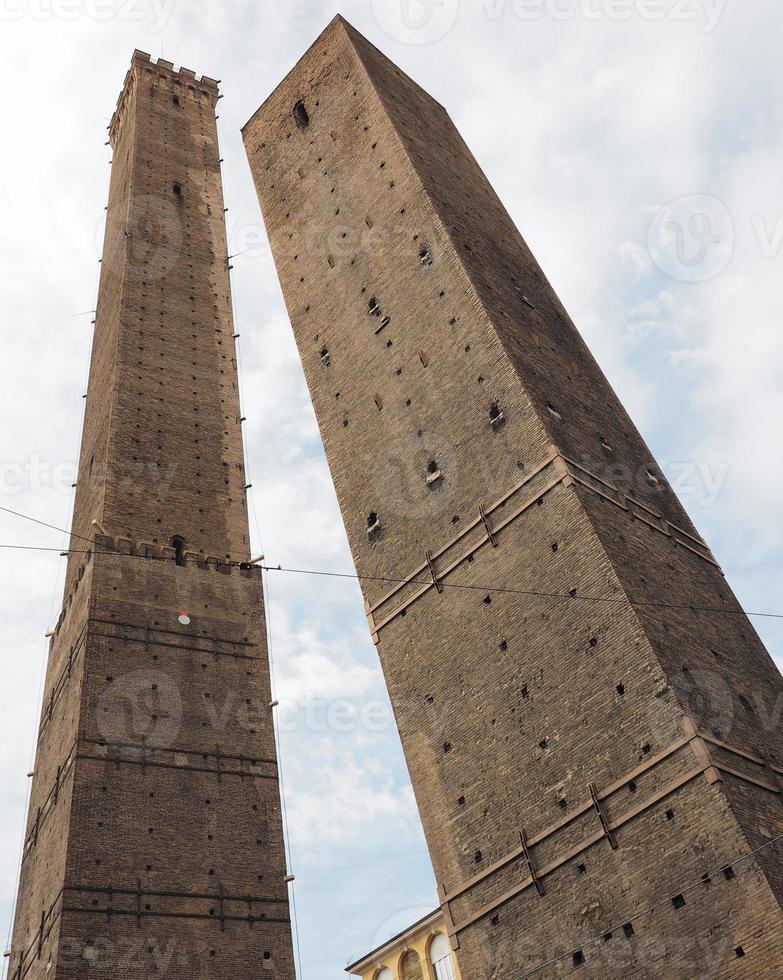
{"x": 155, "y": 843}
{"x": 162, "y": 421}
{"x": 420, "y": 314}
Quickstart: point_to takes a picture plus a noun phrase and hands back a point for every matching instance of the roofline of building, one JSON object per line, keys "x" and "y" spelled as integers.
{"x": 367, "y": 960}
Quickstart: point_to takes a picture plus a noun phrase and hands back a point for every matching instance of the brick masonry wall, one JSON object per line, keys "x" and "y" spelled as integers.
{"x": 162, "y": 446}
{"x": 447, "y": 378}
{"x": 155, "y": 839}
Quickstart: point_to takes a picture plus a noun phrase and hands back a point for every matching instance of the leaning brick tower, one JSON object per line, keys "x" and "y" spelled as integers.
{"x": 154, "y": 842}
{"x": 587, "y": 715}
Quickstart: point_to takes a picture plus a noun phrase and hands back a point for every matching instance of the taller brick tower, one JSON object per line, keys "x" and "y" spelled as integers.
{"x": 588, "y": 716}
{"x": 154, "y": 842}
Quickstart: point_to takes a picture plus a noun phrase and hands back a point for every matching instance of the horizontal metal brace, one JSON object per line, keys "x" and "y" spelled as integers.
{"x": 435, "y": 581}
{"x": 604, "y": 823}
{"x": 565, "y": 472}
{"x": 488, "y": 528}
{"x": 706, "y": 766}
{"x": 530, "y": 865}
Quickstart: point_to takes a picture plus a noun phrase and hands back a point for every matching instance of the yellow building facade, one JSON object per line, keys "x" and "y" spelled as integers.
{"x": 422, "y": 952}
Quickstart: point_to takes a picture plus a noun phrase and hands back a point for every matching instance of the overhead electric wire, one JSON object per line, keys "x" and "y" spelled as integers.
{"x": 44, "y": 659}
{"x": 241, "y": 388}
{"x": 248, "y": 476}
{"x": 52, "y": 527}
{"x": 283, "y": 804}
{"x": 31, "y": 547}
{"x": 481, "y": 587}
{"x": 527, "y": 592}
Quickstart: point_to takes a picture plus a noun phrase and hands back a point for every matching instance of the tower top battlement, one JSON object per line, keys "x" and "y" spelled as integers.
{"x": 143, "y": 58}
{"x": 149, "y": 814}
{"x": 200, "y": 86}
{"x": 166, "y": 291}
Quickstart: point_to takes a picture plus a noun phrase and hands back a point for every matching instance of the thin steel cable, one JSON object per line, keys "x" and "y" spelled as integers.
{"x": 241, "y": 379}
{"x": 42, "y": 678}
{"x": 29, "y": 792}
{"x": 245, "y": 449}
{"x": 7, "y": 959}
{"x": 52, "y": 527}
{"x": 528, "y": 592}
{"x": 501, "y": 589}
{"x": 283, "y": 804}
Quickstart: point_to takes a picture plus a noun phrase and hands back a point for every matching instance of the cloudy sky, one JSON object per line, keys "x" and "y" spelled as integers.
{"x": 639, "y": 146}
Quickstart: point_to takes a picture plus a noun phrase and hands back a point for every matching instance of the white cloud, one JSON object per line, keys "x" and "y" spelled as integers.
{"x": 585, "y": 128}
{"x": 341, "y": 798}
{"x": 311, "y": 667}
{"x": 636, "y": 258}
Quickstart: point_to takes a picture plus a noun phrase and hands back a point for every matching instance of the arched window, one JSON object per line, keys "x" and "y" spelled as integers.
{"x": 301, "y": 115}
{"x": 440, "y": 957}
{"x": 385, "y": 974}
{"x": 178, "y": 544}
{"x": 410, "y": 966}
